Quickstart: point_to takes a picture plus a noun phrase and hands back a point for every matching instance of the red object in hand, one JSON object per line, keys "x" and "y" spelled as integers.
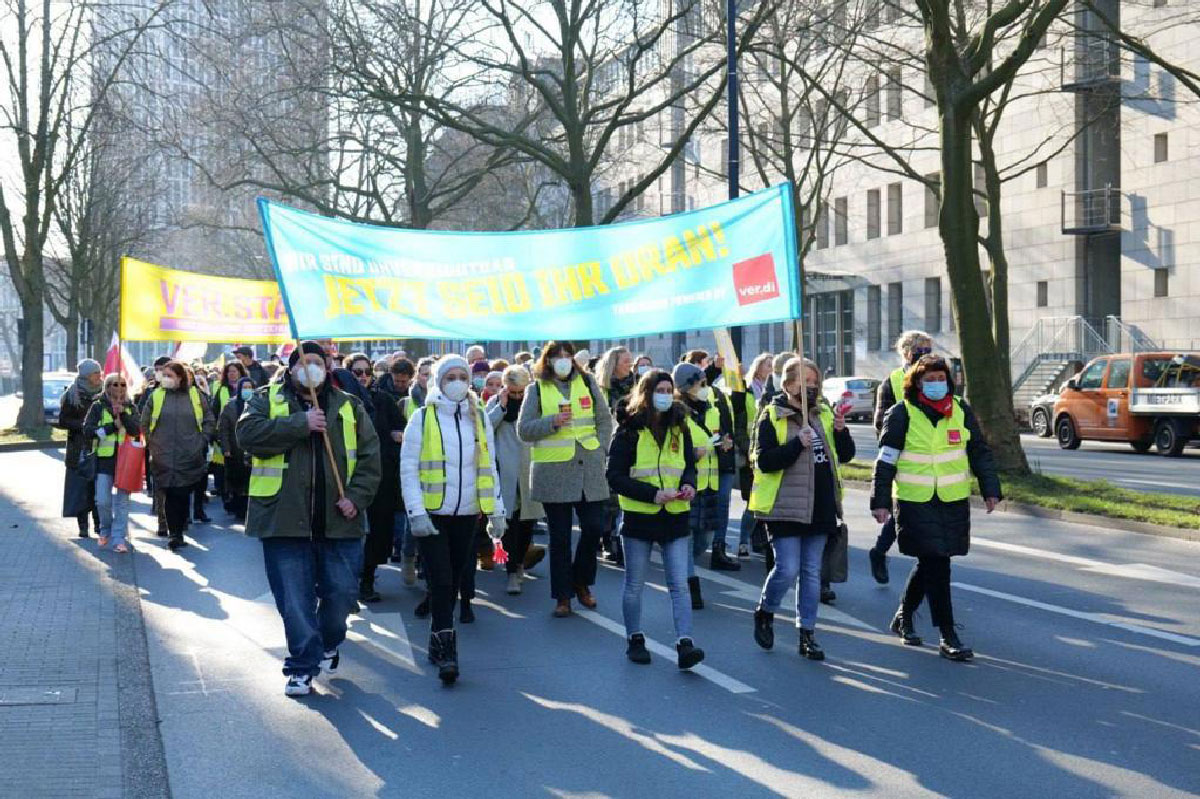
{"x": 499, "y": 554}
{"x": 131, "y": 465}
{"x": 847, "y": 402}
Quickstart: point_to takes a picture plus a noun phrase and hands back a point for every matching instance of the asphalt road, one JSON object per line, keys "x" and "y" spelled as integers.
{"x": 1088, "y": 646}
{"x": 1117, "y": 463}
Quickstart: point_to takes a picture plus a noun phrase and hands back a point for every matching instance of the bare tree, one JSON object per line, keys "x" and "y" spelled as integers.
{"x": 59, "y": 60}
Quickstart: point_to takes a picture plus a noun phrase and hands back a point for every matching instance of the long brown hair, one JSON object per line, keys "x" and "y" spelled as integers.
{"x": 544, "y": 368}
{"x": 641, "y": 405}
{"x": 927, "y": 363}
{"x": 180, "y": 371}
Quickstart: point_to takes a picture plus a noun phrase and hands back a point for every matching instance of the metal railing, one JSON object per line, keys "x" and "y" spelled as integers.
{"x": 1123, "y": 337}
{"x": 1091, "y": 210}
{"x": 1058, "y": 338}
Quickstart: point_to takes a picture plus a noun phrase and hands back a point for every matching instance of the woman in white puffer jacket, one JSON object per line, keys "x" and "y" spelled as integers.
{"x": 448, "y": 478}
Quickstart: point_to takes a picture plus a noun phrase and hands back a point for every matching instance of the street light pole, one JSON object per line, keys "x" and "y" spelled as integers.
{"x": 731, "y": 87}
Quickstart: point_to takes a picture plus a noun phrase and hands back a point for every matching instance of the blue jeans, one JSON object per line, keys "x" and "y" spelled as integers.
{"x": 315, "y": 585}
{"x": 796, "y": 557}
{"x": 747, "y": 528}
{"x": 637, "y": 564}
{"x": 403, "y": 544}
{"x": 114, "y": 511}
{"x": 721, "y": 506}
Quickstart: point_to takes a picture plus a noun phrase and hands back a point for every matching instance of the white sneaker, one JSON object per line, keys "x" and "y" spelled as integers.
{"x": 298, "y": 685}
{"x": 330, "y": 662}
{"x": 409, "y": 571}
{"x": 514, "y": 583}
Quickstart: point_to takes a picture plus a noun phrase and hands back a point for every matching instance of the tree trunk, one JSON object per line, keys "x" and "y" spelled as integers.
{"x": 958, "y": 225}
{"x": 581, "y": 197}
{"x": 72, "y": 329}
{"x": 31, "y": 416}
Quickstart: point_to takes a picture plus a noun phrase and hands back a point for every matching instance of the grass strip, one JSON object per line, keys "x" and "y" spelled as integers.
{"x": 13, "y": 436}
{"x": 1099, "y": 497}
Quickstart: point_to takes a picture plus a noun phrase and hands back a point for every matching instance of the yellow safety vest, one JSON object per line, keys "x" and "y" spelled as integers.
{"x": 897, "y": 380}
{"x": 766, "y": 484}
{"x": 934, "y": 458}
{"x": 107, "y": 447}
{"x": 156, "y": 405}
{"x": 661, "y": 467}
{"x": 266, "y": 474}
{"x": 222, "y": 397}
{"x": 706, "y": 468}
{"x": 431, "y": 466}
{"x": 560, "y": 445}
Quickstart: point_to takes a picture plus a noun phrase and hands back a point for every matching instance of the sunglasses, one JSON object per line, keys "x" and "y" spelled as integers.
{"x": 117, "y": 385}
{"x": 361, "y": 372}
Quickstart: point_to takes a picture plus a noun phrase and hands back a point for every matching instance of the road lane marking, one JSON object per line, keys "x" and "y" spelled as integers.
{"x": 734, "y": 686}
{"x": 1132, "y": 571}
{"x": 1098, "y": 618}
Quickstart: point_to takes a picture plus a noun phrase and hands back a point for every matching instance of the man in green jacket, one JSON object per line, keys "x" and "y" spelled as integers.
{"x": 311, "y": 537}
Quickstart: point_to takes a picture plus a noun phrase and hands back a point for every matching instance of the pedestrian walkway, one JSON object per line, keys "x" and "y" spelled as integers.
{"x": 76, "y": 705}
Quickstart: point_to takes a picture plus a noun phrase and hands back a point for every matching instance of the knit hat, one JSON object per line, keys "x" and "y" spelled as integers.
{"x": 441, "y": 367}
{"x": 686, "y": 375}
{"x": 87, "y": 367}
{"x": 479, "y": 366}
{"x": 307, "y": 348}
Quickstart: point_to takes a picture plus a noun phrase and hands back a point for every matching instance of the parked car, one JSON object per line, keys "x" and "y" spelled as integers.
{"x": 1041, "y": 412}
{"x": 54, "y": 385}
{"x": 863, "y": 388}
{"x": 1147, "y": 398}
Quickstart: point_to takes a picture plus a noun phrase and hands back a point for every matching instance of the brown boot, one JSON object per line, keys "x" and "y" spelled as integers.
{"x": 562, "y": 609}
{"x": 584, "y": 594}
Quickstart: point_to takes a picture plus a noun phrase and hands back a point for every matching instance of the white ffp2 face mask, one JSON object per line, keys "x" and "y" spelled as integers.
{"x": 309, "y": 375}
{"x": 455, "y": 390}
{"x": 562, "y": 366}
{"x": 704, "y": 394}
{"x": 169, "y": 381}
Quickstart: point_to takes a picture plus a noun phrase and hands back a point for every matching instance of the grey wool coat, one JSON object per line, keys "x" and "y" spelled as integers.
{"x": 581, "y": 477}
{"x": 513, "y": 459}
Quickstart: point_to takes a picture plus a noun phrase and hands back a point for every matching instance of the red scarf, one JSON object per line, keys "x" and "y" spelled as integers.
{"x": 944, "y": 406}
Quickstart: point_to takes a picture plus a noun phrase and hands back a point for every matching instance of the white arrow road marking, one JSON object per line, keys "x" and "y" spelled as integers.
{"x": 1132, "y": 571}
{"x": 1098, "y": 618}
{"x": 730, "y": 684}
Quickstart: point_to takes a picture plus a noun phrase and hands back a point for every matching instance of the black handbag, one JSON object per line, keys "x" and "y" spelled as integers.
{"x": 86, "y": 468}
{"x": 835, "y": 561}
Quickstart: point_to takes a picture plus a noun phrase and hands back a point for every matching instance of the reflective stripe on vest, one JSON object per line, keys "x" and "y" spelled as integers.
{"x": 156, "y": 406}
{"x": 107, "y": 447}
{"x": 431, "y": 464}
{"x": 765, "y": 489}
{"x": 897, "y": 380}
{"x": 934, "y": 458}
{"x": 661, "y": 467}
{"x": 266, "y": 474}
{"x": 560, "y": 445}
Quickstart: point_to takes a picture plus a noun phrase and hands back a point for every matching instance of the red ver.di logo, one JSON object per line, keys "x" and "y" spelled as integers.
{"x": 754, "y": 280}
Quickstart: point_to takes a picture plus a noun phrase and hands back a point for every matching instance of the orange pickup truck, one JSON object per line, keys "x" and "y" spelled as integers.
{"x": 1145, "y": 398}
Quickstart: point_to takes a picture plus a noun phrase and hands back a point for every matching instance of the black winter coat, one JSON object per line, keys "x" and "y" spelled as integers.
{"x": 71, "y": 415}
{"x": 657, "y": 527}
{"x": 934, "y": 527}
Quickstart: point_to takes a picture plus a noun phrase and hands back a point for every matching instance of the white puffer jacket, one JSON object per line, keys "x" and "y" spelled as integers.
{"x": 457, "y": 425}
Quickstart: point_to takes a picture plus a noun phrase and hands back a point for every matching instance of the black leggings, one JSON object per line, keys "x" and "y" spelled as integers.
{"x": 517, "y": 536}
{"x": 446, "y": 556}
{"x": 177, "y": 503}
{"x": 930, "y": 578}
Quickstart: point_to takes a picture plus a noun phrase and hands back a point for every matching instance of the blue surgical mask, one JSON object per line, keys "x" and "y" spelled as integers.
{"x": 935, "y": 389}
{"x": 478, "y": 383}
{"x": 663, "y": 402}
{"x": 247, "y": 394}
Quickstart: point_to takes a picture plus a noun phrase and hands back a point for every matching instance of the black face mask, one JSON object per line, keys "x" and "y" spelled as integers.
{"x": 513, "y": 408}
{"x": 811, "y": 396}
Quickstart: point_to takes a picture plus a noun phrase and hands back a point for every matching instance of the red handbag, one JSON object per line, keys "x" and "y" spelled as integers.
{"x": 131, "y": 465}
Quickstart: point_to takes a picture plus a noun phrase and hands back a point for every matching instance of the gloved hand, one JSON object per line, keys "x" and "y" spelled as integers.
{"x": 497, "y": 526}
{"x": 421, "y": 526}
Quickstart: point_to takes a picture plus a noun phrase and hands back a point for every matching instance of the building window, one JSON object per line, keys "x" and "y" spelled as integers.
{"x": 841, "y": 213}
{"x": 979, "y": 184}
{"x": 1162, "y": 151}
{"x": 1043, "y": 175}
{"x": 933, "y": 205}
{"x": 894, "y": 99}
{"x": 1162, "y": 284}
{"x": 895, "y": 208}
{"x": 1043, "y": 293}
{"x": 895, "y": 310}
{"x": 873, "y": 213}
{"x": 871, "y": 96}
{"x": 822, "y": 226}
{"x": 874, "y": 318}
{"x": 933, "y": 304}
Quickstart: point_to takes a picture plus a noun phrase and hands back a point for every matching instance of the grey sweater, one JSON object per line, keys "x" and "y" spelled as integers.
{"x": 581, "y": 477}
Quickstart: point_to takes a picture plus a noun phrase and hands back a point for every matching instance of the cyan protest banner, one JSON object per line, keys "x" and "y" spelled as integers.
{"x": 731, "y": 264}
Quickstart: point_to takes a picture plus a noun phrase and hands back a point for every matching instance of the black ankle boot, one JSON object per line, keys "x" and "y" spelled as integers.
{"x": 366, "y": 589}
{"x": 879, "y": 567}
{"x": 688, "y": 653}
{"x": 422, "y": 609}
{"x": 466, "y": 614}
{"x": 720, "y": 561}
{"x": 448, "y": 664}
{"x": 636, "y": 651}
{"x": 952, "y": 648}
{"x": 764, "y": 631}
{"x": 694, "y": 590}
{"x": 809, "y": 648}
{"x": 902, "y": 625}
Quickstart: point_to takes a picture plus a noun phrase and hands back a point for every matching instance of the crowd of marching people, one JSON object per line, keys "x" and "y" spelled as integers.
{"x": 448, "y": 465}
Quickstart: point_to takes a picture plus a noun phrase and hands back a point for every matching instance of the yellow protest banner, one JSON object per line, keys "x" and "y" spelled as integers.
{"x": 161, "y": 304}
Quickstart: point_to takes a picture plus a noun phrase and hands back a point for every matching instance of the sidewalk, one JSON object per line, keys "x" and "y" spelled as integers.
{"x": 77, "y": 713}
